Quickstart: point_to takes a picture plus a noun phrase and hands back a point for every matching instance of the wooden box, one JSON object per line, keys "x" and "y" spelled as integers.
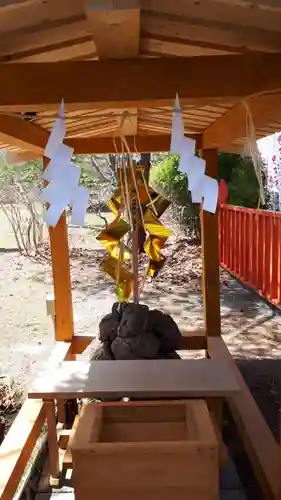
{"x": 146, "y": 451}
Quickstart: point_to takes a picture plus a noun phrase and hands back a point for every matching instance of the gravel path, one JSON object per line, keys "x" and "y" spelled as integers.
{"x": 250, "y": 326}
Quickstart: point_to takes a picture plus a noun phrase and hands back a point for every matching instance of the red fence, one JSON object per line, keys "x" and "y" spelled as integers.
{"x": 250, "y": 248}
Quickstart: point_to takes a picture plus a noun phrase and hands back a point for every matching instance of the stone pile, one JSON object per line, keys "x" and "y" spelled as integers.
{"x": 133, "y": 331}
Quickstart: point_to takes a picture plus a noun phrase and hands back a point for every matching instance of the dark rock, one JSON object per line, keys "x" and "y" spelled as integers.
{"x": 131, "y": 331}
{"x": 100, "y": 351}
{"x": 143, "y": 346}
{"x": 134, "y": 320}
{"x": 108, "y": 328}
{"x": 165, "y": 328}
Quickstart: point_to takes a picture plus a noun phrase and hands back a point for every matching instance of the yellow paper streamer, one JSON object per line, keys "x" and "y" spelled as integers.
{"x": 123, "y": 278}
{"x": 152, "y": 207}
{"x": 158, "y": 235}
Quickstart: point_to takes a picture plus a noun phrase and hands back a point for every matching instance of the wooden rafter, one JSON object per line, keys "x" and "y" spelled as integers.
{"x": 191, "y": 31}
{"x": 18, "y": 132}
{"x": 243, "y": 17}
{"x": 14, "y": 158}
{"x": 32, "y": 139}
{"x": 69, "y": 29}
{"x": 10, "y": 4}
{"x": 42, "y": 86}
{"x": 115, "y": 28}
{"x": 140, "y": 143}
{"x": 232, "y": 125}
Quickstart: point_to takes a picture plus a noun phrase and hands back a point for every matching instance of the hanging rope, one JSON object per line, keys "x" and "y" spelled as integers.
{"x": 253, "y": 149}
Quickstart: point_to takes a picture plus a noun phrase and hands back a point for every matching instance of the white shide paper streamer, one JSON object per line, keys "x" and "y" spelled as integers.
{"x": 199, "y": 184}
{"x": 63, "y": 176}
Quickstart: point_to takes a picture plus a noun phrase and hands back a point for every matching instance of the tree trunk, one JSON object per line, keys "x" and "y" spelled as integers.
{"x": 145, "y": 161}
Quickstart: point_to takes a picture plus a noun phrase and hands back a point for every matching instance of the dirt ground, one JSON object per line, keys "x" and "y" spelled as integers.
{"x": 251, "y": 328}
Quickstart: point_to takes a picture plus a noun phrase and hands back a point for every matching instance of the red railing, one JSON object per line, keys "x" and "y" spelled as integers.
{"x": 250, "y": 248}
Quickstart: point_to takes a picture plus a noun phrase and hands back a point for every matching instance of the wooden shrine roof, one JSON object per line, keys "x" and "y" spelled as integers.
{"x": 48, "y": 31}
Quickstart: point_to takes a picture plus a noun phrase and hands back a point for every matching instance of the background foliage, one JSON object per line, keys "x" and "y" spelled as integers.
{"x": 98, "y": 174}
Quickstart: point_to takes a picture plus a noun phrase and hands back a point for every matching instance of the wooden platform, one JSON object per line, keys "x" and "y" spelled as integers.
{"x": 135, "y": 379}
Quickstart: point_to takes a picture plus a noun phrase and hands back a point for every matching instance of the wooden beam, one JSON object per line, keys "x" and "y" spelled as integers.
{"x": 13, "y": 158}
{"x": 32, "y": 139}
{"x": 64, "y": 327}
{"x": 263, "y": 109}
{"x": 18, "y": 445}
{"x": 210, "y": 256}
{"x": 257, "y": 438}
{"x": 120, "y": 83}
{"x": 53, "y": 447}
{"x": 143, "y": 144}
{"x": 236, "y": 16}
{"x": 46, "y": 35}
{"x": 193, "y": 339}
{"x": 115, "y": 26}
{"x": 62, "y": 281}
{"x": 195, "y": 31}
{"x": 128, "y": 123}
{"x": 13, "y": 4}
{"x": 16, "y": 131}
{"x": 83, "y": 48}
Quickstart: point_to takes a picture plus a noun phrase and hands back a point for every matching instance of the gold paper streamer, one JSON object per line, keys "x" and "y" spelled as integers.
{"x": 124, "y": 283}
{"x": 151, "y": 207}
{"x": 158, "y": 234}
{"x": 111, "y": 236}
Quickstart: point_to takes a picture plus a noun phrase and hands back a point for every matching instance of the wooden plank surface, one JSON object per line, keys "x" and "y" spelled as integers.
{"x": 258, "y": 440}
{"x": 142, "y": 379}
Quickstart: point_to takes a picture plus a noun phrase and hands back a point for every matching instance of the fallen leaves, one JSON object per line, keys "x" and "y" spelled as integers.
{"x": 10, "y": 396}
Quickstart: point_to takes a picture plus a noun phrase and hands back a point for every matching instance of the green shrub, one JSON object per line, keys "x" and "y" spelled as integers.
{"x": 166, "y": 178}
{"x": 239, "y": 173}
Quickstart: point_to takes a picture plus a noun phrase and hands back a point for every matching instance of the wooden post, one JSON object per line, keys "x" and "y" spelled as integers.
{"x": 52, "y": 439}
{"x": 64, "y": 327}
{"x": 210, "y": 256}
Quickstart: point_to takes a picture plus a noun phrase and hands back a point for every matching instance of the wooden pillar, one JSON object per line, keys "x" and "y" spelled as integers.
{"x": 210, "y": 256}
{"x": 64, "y": 328}
{"x": 52, "y": 440}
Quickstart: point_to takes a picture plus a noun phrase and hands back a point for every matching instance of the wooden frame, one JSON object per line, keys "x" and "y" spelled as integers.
{"x": 242, "y": 406}
{"x": 259, "y": 442}
{"x": 29, "y": 136}
{"x": 210, "y": 256}
{"x": 243, "y": 75}
{"x": 21, "y": 439}
{"x": 200, "y": 85}
{"x": 264, "y": 454}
